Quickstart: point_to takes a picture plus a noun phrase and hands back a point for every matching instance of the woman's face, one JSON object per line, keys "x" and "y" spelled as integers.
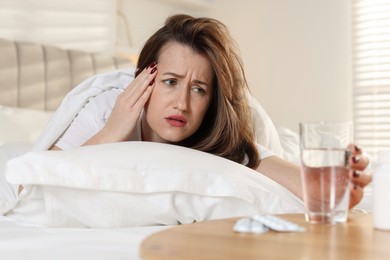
{"x": 181, "y": 96}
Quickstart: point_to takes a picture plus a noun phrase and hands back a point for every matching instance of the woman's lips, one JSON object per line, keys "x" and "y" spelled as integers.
{"x": 176, "y": 120}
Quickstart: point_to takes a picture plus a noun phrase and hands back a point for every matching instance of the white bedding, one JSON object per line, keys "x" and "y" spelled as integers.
{"x": 257, "y": 195}
{"x": 23, "y": 239}
{"x": 140, "y": 183}
{"x": 19, "y": 240}
{"x": 18, "y": 130}
{"x": 22, "y": 242}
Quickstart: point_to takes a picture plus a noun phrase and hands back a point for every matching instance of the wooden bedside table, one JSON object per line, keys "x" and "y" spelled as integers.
{"x": 215, "y": 239}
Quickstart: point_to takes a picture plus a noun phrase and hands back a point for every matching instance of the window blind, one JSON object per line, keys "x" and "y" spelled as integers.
{"x": 87, "y": 25}
{"x": 371, "y": 52}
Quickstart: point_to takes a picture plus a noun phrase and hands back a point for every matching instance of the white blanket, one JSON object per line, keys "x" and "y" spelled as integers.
{"x": 76, "y": 100}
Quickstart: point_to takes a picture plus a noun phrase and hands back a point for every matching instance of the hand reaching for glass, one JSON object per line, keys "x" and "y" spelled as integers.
{"x": 359, "y": 178}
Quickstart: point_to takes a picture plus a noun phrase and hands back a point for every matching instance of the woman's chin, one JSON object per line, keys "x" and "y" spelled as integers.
{"x": 171, "y": 139}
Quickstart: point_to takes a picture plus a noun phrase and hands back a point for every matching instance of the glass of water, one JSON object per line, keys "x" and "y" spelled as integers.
{"x": 325, "y": 170}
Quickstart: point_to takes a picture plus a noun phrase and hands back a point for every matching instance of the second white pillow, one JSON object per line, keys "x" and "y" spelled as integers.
{"x": 141, "y": 183}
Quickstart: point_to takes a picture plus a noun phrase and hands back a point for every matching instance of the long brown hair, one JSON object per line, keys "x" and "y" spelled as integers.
{"x": 226, "y": 130}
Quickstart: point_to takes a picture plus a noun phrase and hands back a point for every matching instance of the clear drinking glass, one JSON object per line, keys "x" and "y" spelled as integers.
{"x": 325, "y": 170}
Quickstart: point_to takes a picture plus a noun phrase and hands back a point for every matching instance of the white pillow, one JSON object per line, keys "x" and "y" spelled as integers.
{"x": 290, "y": 144}
{"x": 264, "y": 129}
{"x": 141, "y": 183}
{"x": 20, "y": 124}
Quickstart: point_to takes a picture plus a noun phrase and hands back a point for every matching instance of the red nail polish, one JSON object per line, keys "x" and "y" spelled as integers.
{"x": 356, "y": 174}
{"x": 357, "y": 148}
{"x": 355, "y": 159}
{"x": 153, "y": 64}
{"x": 152, "y": 82}
{"x": 153, "y": 70}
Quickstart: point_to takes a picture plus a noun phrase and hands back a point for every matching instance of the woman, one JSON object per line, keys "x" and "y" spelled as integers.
{"x": 190, "y": 90}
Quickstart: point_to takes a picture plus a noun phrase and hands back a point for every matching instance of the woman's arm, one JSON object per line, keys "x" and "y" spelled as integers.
{"x": 283, "y": 172}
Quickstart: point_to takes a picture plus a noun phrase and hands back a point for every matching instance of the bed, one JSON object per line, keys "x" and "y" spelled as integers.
{"x": 77, "y": 204}
{"x": 34, "y": 78}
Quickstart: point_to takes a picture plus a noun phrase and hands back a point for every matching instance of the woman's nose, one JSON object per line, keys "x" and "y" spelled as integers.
{"x": 182, "y": 99}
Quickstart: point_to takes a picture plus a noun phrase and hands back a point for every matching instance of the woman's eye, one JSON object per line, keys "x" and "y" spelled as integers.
{"x": 199, "y": 90}
{"x": 169, "y": 82}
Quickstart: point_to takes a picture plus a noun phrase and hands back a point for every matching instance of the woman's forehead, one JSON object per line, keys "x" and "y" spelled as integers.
{"x": 183, "y": 59}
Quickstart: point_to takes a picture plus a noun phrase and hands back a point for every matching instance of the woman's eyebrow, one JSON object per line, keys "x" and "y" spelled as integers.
{"x": 173, "y": 74}
{"x": 197, "y": 81}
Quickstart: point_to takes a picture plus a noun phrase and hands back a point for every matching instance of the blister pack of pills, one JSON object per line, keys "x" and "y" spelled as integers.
{"x": 248, "y": 225}
{"x": 262, "y": 223}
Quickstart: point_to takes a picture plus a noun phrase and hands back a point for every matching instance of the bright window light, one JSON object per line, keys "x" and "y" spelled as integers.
{"x": 371, "y": 27}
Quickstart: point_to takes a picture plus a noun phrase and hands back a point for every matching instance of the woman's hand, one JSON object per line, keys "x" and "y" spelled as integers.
{"x": 359, "y": 178}
{"x": 122, "y": 122}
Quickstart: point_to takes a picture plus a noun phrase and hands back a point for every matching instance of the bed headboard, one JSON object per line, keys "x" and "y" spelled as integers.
{"x": 39, "y": 76}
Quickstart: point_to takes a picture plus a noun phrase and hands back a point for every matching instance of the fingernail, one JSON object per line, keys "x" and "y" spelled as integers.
{"x": 356, "y": 174}
{"x": 357, "y": 148}
{"x": 355, "y": 159}
{"x": 355, "y": 187}
{"x": 153, "y": 64}
{"x": 153, "y": 70}
{"x": 152, "y": 82}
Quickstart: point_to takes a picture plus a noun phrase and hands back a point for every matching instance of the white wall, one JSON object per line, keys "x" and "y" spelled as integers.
{"x": 144, "y": 17}
{"x": 297, "y": 56}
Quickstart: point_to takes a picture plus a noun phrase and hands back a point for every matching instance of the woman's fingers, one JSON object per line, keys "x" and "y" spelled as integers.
{"x": 140, "y": 103}
{"x": 147, "y": 83}
{"x": 361, "y": 178}
{"x": 356, "y": 195}
{"x": 359, "y": 162}
{"x": 357, "y": 159}
{"x": 141, "y": 83}
{"x": 122, "y": 122}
